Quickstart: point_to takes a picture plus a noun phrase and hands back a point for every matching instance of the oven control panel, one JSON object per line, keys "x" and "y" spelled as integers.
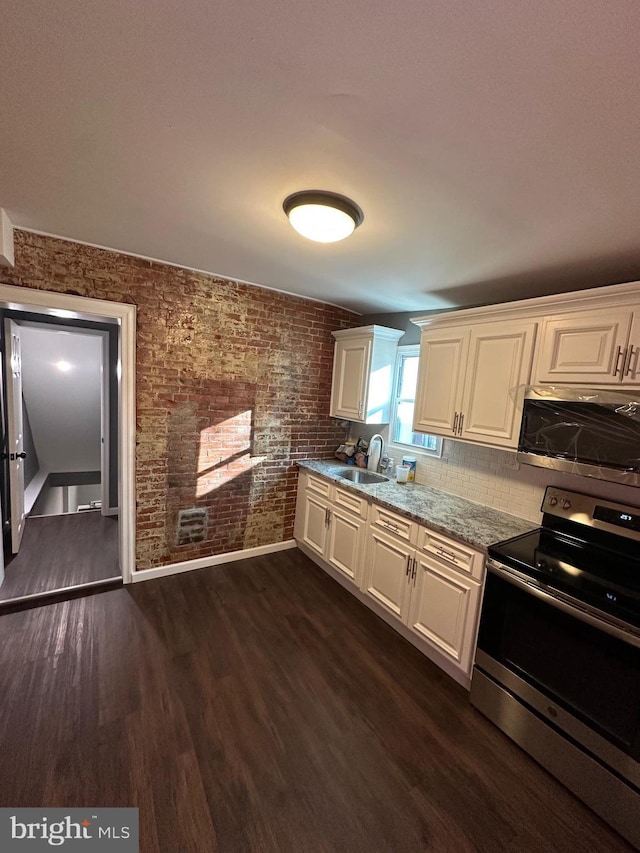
{"x": 592, "y": 511}
{"x": 558, "y": 502}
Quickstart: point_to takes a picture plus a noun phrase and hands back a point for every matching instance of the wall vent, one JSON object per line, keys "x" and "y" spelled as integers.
{"x": 192, "y": 526}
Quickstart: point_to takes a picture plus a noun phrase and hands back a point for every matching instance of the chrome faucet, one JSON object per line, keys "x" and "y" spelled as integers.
{"x": 375, "y": 453}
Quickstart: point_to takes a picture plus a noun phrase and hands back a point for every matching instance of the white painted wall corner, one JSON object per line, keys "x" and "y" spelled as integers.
{"x": 6, "y": 240}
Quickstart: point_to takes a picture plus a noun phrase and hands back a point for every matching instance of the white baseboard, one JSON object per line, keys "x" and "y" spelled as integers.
{"x": 206, "y": 562}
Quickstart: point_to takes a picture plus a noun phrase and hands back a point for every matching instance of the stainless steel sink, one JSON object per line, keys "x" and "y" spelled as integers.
{"x": 359, "y": 475}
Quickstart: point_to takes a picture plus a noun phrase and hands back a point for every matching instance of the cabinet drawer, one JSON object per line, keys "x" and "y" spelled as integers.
{"x": 401, "y": 527}
{"x": 353, "y": 504}
{"x": 319, "y": 485}
{"x": 455, "y": 554}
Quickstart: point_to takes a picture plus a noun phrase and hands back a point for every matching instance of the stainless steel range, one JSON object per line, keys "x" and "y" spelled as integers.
{"x": 558, "y": 661}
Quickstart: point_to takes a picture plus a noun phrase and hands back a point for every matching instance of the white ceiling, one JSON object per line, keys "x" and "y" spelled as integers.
{"x": 493, "y": 146}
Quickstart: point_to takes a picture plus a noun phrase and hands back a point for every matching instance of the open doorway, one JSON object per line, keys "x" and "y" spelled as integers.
{"x": 61, "y": 387}
{"x": 67, "y": 423}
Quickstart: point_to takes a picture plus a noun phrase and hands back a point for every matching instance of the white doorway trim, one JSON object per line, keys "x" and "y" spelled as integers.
{"x": 82, "y": 307}
{"x": 105, "y": 445}
{"x": 15, "y": 430}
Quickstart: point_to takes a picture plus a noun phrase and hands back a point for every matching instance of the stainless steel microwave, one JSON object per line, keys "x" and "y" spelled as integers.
{"x": 595, "y": 433}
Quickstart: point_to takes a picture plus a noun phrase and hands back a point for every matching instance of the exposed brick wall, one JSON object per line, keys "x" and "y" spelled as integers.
{"x": 233, "y": 385}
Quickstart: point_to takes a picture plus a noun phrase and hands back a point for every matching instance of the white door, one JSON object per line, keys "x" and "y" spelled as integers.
{"x": 314, "y": 529}
{"x": 344, "y": 549}
{"x": 13, "y": 367}
{"x": 498, "y": 366}
{"x": 443, "y": 357}
{"x": 352, "y": 358}
{"x": 444, "y": 610}
{"x": 388, "y": 567}
{"x": 586, "y": 347}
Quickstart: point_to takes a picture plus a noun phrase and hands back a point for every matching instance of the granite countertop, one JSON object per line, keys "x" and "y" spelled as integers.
{"x": 477, "y": 525}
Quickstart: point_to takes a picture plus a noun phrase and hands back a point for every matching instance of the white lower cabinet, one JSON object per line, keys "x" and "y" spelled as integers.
{"x": 388, "y": 563}
{"x": 426, "y": 584}
{"x": 314, "y": 529}
{"x": 345, "y": 543}
{"x": 444, "y": 609}
{"x": 427, "y": 581}
{"x": 331, "y": 523}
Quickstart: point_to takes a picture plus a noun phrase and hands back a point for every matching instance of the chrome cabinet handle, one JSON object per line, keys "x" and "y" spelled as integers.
{"x": 408, "y": 565}
{"x": 633, "y": 353}
{"x": 327, "y": 516}
{"x": 414, "y": 570}
{"x": 360, "y": 408}
{"x": 618, "y": 368}
{"x": 455, "y": 424}
{"x": 460, "y": 423}
{"x": 442, "y": 552}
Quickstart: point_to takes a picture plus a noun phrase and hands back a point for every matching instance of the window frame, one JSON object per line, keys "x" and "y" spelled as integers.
{"x": 410, "y": 351}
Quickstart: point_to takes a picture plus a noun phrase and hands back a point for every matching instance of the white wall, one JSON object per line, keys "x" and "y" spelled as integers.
{"x": 493, "y": 478}
{"x": 64, "y": 408}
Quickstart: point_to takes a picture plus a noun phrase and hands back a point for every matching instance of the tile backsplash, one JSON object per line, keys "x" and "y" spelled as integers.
{"x": 493, "y": 477}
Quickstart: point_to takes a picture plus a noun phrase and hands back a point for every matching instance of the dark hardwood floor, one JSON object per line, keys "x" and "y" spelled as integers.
{"x": 59, "y": 551}
{"x": 257, "y": 706}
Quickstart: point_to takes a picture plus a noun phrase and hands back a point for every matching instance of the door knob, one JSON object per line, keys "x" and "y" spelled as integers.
{"x": 22, "y": 455}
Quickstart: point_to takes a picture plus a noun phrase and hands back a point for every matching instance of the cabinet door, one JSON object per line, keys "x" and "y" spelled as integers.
{"x": 498, "y": 364}
{"x": 444, "y": 610}
{"x": 440, "y": 376}
{"x": 632, "y": 365}
{"x": 586, "y": 348}
{"x": 314, "y": 525}
{"x": 345, "y": 544}
{"x": 387, "y": 568}
{"x": 351, "y": 361}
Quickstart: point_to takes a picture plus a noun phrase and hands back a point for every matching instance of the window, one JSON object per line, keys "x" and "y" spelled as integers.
{"x": 404, "y": 394}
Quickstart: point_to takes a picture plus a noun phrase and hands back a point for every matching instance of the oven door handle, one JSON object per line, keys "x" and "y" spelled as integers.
{"x": 627, "y": 636}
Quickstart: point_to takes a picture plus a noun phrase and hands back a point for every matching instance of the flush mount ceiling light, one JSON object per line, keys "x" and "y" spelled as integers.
{"x": 322, "y": 216}
{"x": 63, "y": 366}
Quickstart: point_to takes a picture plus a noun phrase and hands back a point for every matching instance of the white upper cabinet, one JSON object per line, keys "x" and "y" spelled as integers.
{"x": 596, "y": 348}
{"x": 443, "y": 357}
{"x": 475, "y": 363}
{"x": 363, "y": 373}
{"x": 498, "y": 366}
{"x": 470, "y": 381}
